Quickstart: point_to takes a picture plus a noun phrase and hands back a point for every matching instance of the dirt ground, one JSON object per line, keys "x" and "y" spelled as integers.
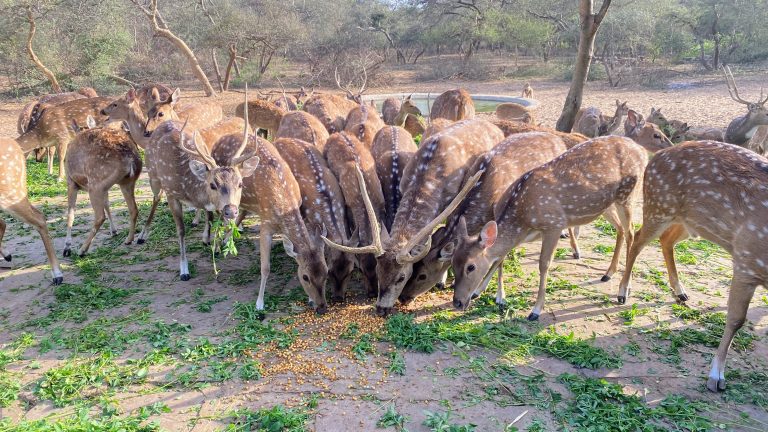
{"x": 123, "y": 305}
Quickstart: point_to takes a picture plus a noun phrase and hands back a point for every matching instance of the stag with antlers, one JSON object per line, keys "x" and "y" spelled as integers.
{"x": 741, "y": 129}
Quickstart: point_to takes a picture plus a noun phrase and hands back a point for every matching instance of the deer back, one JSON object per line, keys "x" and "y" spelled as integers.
{"x": 510, "y": 128}
{"x": 389, "y": 110}
{"x": 392, "y": 150}
{"x": 32, "y": 111}
{"x": 435, "y": 126}
{"x": 453, "y": 105}
{"x": 229, "y": 126}
{"x": 304, "y": 126}
{"x": 262, "y": 114}
{"x": 330, "y": 109}
{"x": 54, "y": 125}
{"x": 13, "y": 171}
{"x": 513, "y": 111}
{"x": 102, "y": 155}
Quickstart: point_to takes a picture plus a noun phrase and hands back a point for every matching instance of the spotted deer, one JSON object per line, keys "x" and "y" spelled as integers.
{"x": 330, "y": 109}
{"x": 304, "y": 126}
{"x": 592, "y": 123}
{"x": 565, "y": 192}
{"x": 515, "y": 112}
{"x": 273, "y": 193}
{"x": 53, "y": 128}
{"x": 510, "y": 128}
{"x": 645, "y": 133}
{"x": 436, "y": 126}
{"x": 409, "y": 117}
{"x": 14, "y": 200}
{"x": 322, "y": 204}
{"x": 97, "y": 159}
{"x": 432, "y": 189}
{"x": 31, "y": 111}
{"x": 502, "y": 165}
{"x": 657, "y": 118}
{"x": 727, "y": 204}
{"x": 263, "y": 115}
{"x": 197, "y": 116}
{"x": 150, "y": 94}
{"x": 392, "y": 150}
{"x": 390, "y": 108}
{"x": 741, "y": 129}
{"x": 345, "y": 154}
{"x": 684, "y": 132}
{"x": 610, "y": 124}
{"x": 355, "y": 96}
{"x": 227, "y": 126}
{"x": 363, "y": 122}
{"x": 453, "y": 105}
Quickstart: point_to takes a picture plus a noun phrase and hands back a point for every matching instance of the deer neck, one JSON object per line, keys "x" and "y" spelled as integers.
{"x": 29, "y": 141}
{"x": 137, "y": 122}
{"x": 296, "y": 230}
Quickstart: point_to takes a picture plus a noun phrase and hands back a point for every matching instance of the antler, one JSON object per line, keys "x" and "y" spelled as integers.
{"x": 376, "y": 248}
{"x": 365, "y": 82}
{"x": 238, "y": 157}
{"x": 405, "y": 255}
{"x": 346, "y": 88}
{"x": 733, "y": 90}
{"x": 200, "y": 149}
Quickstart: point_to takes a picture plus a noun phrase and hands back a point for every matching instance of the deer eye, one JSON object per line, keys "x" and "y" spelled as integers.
{"x": 213, "y": 186}
{"x": 657, "y": 136}
{"x": 422, "y": 276}
{"x": 160, "y": 114}
{"x": 400, "y": 279}
{"x": 305, "y": 277}
{"x": 470, "y": 268}
{"x": 240, "y": 185}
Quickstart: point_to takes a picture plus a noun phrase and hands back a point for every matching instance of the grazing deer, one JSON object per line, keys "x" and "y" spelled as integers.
{"x": 741, "y": 129}
{"x": 196, "y": 116}
{"x": 345, "y": 154}
{"x": 31, "y": 111}
{"x": 304, "y": 126}
{"x": 263, "y": 115}
{"x": 273, "y": 193}
{"x": 511, "y": 128}
{"x": 608, "y": 124}
{"x": 515, "y": 112}
{"x": 13, "y": 200}
{"x": 503, "y": 164}
{"x": 409, "y": 117}
{"x": 684, "y": 132}
{"x": 390, "y": 108}
{"x": 97, "y": 159}
{"x": 330, "y": 109}
{"x": 363, "y": 122}
{"x": 658, "y": 118}
{"x": 453, "y": 105}
{"x": 432, "y": 189}
{"x": 727, "y": 204}
{"x": 53, "y": 128}
{"x": 392, "y": 150}
{"x": 565, "y": 192}
{"x": 322, "y": 204}
{"x": 527, "y": 91}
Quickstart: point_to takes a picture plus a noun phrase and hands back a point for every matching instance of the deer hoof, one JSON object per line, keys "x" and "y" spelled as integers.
{"x": 682, "y": 297}
{"x": 440, "y": 286}
{"x": 184, "y": 277}
{"x": 533, "y": 316}
{"x": 140, "y": 241}
{"x": 321, "y": 310}
{"x": 576, "y": 255}
{"x": 715, "y": 385}
{"x": 475, "y": 295}
{"x": 383, "y": 311}
{"x": 67, "y": 253}
{"x": 8, "y": 257}
{"x": 605, "y": 278}
{"x": 621, "y": 299}
{"x": 58, "y": 280}
{"x": 563, "y": 235}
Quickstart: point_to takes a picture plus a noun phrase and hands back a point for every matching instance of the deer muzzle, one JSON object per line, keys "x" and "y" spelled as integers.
{"x": 229, "y": 212}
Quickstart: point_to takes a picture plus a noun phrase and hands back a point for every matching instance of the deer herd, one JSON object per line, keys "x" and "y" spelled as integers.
{"x": 346, "y": 188}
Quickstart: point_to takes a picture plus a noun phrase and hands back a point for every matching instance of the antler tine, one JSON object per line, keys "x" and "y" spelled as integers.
{"x": 365, "y": 81}
{"x": 376, "y": 248}
{"x": 733, "y": 89}
{"x": 245, "y": 128}
{"x": 762, "y": 101}
{"x": 338, "y": 81}
{"x": 405, "y": 255}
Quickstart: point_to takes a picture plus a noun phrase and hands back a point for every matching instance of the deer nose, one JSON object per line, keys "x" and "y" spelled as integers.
{"x": 322, "y": 309}
{"x": 230, "y": 211}
{"x": 457, "y": 303}
{"x": 103, "y": 112}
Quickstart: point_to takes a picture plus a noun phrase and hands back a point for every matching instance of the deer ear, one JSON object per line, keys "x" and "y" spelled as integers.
{"x": 488, "y": 234}
{"x": 130, "y": 96}
{"x": 462, "y": 227}
{"x": 90, "y": 122}
{"x": 199, "y": 169}
{"x": 288, "y": 246}
{"x": 248, "y": 167}
{"x": 155, "y": 95}
{"x": 446, "y": 253}
{"x": 175, "y": 96}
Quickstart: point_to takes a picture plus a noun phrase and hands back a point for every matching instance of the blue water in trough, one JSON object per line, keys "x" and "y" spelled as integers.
{"x": 483, "y": 103}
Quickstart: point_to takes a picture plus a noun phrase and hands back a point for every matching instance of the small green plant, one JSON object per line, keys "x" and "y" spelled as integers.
{"x": 9, "y": 389}
{"x": 363, "y": 347}
{"x": 603, "y": 249}
{"x": 396, "y": 363}
{"x": 219, "y": 231}
{"x": 633, "y": 312}
{"x": 441, "y": 422}
{"x": 605, "y": 227}
{"x": 561, "y": 253}
{"x": 275, "y": 419}
{"x": 250, "y": 370}
{"x": 392, "y": 418}
{"x": 81, "y": 421}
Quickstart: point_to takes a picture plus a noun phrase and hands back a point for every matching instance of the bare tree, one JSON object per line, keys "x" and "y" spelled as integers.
{"x": 39, "y": 64}
{"x": 160, "y": 28}
{"x": 589, "y": 22}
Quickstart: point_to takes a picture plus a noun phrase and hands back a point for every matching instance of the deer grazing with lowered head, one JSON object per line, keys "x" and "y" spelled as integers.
{"x": 54, "y": 127}
{"x": 304, "y": 126}
{"x": 392, "y": 150}
{"x": 515, "y": 112}
{"x": 273, "y": 193}
{"x": 453, "y": 105}
{"x": 684, "y": 132}
{"x": 363, "y": 122}
{"x": 346, "y": 154}
{"x": 432, "y": 189}
{"x": 593, "y": 178}
{"x": 510, "y": 128}
{"x": 14, "y": 200}
{"x": 322, "y": 204}
{"x": 330, "y": 109}
{"x": 726, "y": 204}
{"x": 97, "y": 159}
{"x": 741, "y": 129}
{"x": 502, "y": 165}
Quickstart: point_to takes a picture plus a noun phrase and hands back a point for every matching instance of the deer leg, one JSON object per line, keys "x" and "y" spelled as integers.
{"x": 501, "y": 300}
{"x": 49, "y": 150}
{"x": 71, "y": 203}
{"x": 742, "y": 290}
{"x": 207, "y": 228}
{"x": 145, "y": 232}
{"x": 98, "y": 202}
{"x": 265, "y": 250}
{"x": 649, "y": 231}
{"x": 108, "y": 213}
{"x": 443, "y": 279}
{"x": 669, "y": 239}
{"x": 6, "y": 256}
{"x": 178, "y": 218}
{"x": 573, "y": 236}
{"x": 133, "y": 211}
{"x": 198, "y": 215}
{"x": 612, "y": 216}
{"x": 548, "y": 244}
{"x": 26, "y": 212}
{"x": 62, "y": 155}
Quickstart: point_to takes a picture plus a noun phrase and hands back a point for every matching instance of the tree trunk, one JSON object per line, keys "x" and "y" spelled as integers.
{"x": 230, "y": 64}
{"x": 590, "y": 22}
{"x": 217, "y": 70}
{"x": 703, "y": 59}
{"x": 160, "y": 27}
{"x": 38, "y": 64}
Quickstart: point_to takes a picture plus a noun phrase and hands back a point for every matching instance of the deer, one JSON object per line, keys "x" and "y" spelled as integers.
{"x": 515, "y": 112}
{"x": 322, "y": 203}
{"x": 592, "y": 123}
{"x": 330, "y": 109}
{"x": 150, "y": 94}
{"x": 392, "y": 150}
{"x": 97, "y": 159}
{"x": 263, "y": 115}
{"x": 759, "y": 141}
{"x": 453, "y": 105}
{"x": 436, "y": 126}
{"x": 727, "y": 204}
{"x": 273, "y": 193}
{"x": 502, "y": 165}
{"x": 345, "y": 154}
{"x": 527, "y": 91}
{"x": 357, "y": 96}
{"x": 565, "y": 192}
{"x": 609, "y": 124}
{"x": 33, "y": 109}
{"x": 363, "y": 122}
{"x": 53, "y": 128}
{"x": 390, "y": 108}
{"x": 197, "y": 116}
{"x": 14, "y": 200}
{"x": 741, "y": 129}
{"x": 409, "y": 117}
{"x": 304, "y": 126}
{"x": 684, "y": 132}
{"x": 432, "y": 189}
{"x": 227, "y": 126}
{"x": 657, "y": 118}
{"x": 510, "y": 128}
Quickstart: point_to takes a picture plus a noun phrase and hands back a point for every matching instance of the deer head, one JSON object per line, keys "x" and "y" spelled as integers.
{"x": 680, "y": 133}
{"x": 644, "y": 133}
{"x": 162, "y": 111}
{"x": 657, "y": 117}
{"x": 312, "y": 271}
{"x": 355, "y": 96}
{"x": 741, "y": 129}
{"x": 472, "y": 264}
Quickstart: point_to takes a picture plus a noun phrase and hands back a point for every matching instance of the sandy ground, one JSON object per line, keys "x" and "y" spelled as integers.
{"x": 353, "y": 393}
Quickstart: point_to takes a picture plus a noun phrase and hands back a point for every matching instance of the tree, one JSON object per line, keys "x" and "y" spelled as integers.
{"x": 35, "y": 60}
{"x": 160, "y": 28}
{"x": 589, "y": 24}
